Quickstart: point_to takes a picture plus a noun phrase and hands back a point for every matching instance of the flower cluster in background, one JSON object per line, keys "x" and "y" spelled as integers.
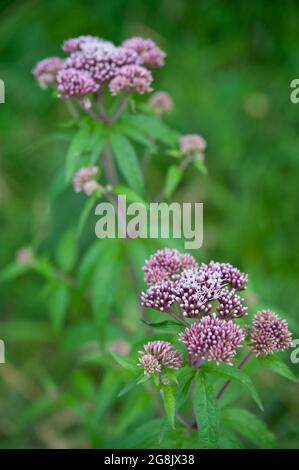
{"x": 210, "y": 296}
{"x": 93, "y": 62}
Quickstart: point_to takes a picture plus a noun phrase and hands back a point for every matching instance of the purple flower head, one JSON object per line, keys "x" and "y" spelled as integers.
{"x": 101, "y": 60}
{"x": 229, "y": 274}
{"x": 161, "y": 102}
{"x": 192, "y": 143}
{"x": 159, "y": 296}
{"x": 158, "y": 355}
{"x": 212, "y": 339}
{"x": 84, "y": 180}
{"x": 231, "y": 304}
{"x": 46, "y": 71}
{"x": 75, "y": 83}
{"x": 75, "y": 44}
{"x": 166, "y": 263}
{"x": 269, "y": 333}
{"x": 148, "y": 52}
{"x": 195, "y": 291}
{"x": 131, "y": 78}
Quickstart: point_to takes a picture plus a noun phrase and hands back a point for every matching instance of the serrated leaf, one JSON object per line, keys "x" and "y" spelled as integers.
{"x": 276, "y": 365}
{"x": 206, "y": 412}
{"x": 169, "y": 404}
{"x": 248, "y": 425}
{"x": 77, "y": 146}
{"x": 139, "y": 138}
{"x": 237, "y": 375}
{"x": 173, "y": 178}
{"x": 127, "y": 161}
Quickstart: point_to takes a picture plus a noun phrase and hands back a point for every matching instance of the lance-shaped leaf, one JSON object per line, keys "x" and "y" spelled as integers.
{"x": 275, "y": 364}
{"x": 127, "y": 161}
{"x": 77, "y": 146}
{"x": 169, "y": 403}
{"x": 173, "y": 178}
{"x": 237, "y": 375}
{"x": 206, "y": 412}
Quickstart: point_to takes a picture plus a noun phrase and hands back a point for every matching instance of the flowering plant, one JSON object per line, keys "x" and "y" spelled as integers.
{"x": 115, "y": 135}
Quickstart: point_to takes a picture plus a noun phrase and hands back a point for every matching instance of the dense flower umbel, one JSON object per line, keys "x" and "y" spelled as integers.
{"x": 230, "y": 275}
{"x": 194, "y": 291}
{"x": 269, "y": 333}
{"x": 75, "y": 44}
{"x": 165, "y": 263}
{"x": 75, "y": 83}
{"x": 131, "y": 78}
{"x": 192, "y": 143}
{"x": 84, "y": 180}
{"x": 212, "y": 339}
{"x": 158, "y": 355}
{"x": 148, "y": 52}
{"x": 159, "y": 296}
{"x": 231, "y": 304}
{"x": 161, "y": 102}
{"x": 102, "y": 60}
{"x": 46, "y": 71}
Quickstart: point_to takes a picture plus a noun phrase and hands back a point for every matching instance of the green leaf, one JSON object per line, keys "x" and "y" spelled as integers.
{"x": 200, "y": 166}
{"x": 248, "y": 425}
{"x": 89, "y": 203}
{"x": 129, "y": 193}
{"x": 12, "y": 271}
{"x": 173, "y": 178}
{"x": 275, "y": 364}
{"x": 144, "y": 436}
{"x": 176, "y": 153}
{"x": 90, "y": 259}
{"x": 151, "y": 126}
{"x": 128, "y": 387}
{"x": 67, "y": 251}
{"x": 237, "y": 375}
{"x": 78, "y": 145}
{"x": 139, "y": 138}
{"x": 125, "y": 363}
{"x": 97, "y": 143}
{"x": 104, "y": 285}
{"x": 169, "y": 404}
{"x": 58, "y": 303}
{"x": 127, "y": 161}
{"x": 206, "y": 412}
{"x": 163, "y": 324}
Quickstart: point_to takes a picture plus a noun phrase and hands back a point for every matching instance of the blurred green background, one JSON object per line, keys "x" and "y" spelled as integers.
{"x": 228, "y": 69}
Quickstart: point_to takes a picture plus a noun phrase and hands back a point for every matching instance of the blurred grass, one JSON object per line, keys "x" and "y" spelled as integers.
{"x": 228, "y": 69}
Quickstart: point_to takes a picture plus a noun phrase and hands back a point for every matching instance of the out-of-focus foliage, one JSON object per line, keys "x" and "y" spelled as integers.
{"x": 228, "y": 70}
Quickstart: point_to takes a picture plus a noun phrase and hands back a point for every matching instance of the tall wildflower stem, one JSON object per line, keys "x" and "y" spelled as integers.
{"x": 228, "y": 382}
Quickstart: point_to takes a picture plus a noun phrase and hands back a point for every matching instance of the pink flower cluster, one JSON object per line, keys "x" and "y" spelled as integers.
{"x": 192, "y": 144}
{"x": 161, "y": 101}
{"x": 46, "y": 71}
{"x": 269, "y": 333}
{"x": 85, "y": 180}
{"x": 212, "y": 339}
{"x": 158, "y": 355}
{"x": 165, "y": 263}
{"x": 93, "y": 61}
{"x": 208, "y": 294}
